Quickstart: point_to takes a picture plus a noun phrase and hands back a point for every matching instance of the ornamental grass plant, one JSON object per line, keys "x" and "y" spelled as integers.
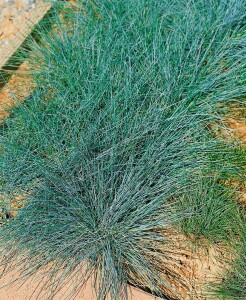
{"x": 114, "y": 134}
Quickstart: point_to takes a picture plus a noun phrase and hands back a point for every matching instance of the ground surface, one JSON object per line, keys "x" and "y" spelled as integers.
{"x": 28, "y": 290}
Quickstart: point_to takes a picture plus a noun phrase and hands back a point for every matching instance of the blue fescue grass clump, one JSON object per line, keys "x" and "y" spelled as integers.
{"x": 116, "y": 128}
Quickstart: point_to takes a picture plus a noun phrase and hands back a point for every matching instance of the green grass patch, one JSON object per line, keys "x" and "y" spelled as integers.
{"x": 233, "y": 285}
{"x": 213, "y": 212}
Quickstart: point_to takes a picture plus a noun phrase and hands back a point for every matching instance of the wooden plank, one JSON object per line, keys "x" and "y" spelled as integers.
{"x": 22, "y": 31}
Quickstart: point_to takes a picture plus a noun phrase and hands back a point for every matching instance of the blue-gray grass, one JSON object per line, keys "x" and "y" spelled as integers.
{"x": 116, "y": 132}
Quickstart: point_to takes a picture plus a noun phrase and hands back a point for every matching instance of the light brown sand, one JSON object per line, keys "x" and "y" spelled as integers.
{"x": 238, "y": 128}
{"x": 27, "y": 291}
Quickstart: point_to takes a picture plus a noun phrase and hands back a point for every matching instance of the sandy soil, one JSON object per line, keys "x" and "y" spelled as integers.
{"x": 19, "y": 84}
{"x": 238, "y": 128}
{"x": 204, "y": 270}
{"x": 29, "y": 291}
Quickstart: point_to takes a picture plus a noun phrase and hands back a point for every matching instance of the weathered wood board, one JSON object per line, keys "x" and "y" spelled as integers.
{"x": 17, "y": 20}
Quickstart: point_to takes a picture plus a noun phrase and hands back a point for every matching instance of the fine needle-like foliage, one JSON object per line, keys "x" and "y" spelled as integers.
{"x": 112, "y": 137}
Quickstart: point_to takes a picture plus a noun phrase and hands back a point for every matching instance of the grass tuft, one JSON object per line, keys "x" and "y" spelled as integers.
{"x": 213, "y": 212}
{"x": 116, "y": 128}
